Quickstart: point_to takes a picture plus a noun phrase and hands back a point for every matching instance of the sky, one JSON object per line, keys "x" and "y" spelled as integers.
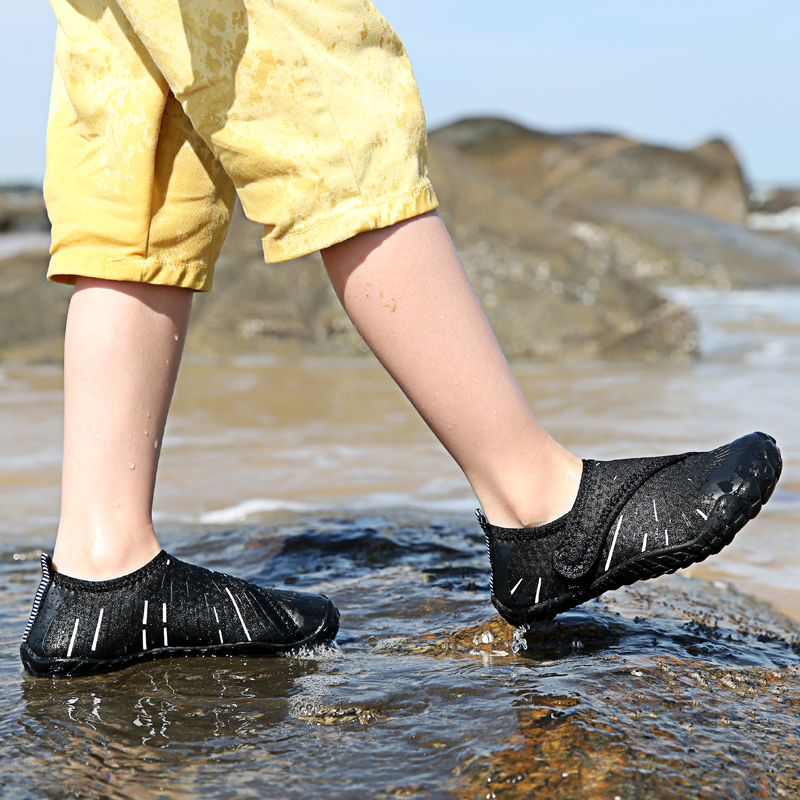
{"x": 672, "y": 73}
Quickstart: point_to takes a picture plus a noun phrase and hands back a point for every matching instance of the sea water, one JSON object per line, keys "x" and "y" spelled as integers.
{"x": 319, "y": 476}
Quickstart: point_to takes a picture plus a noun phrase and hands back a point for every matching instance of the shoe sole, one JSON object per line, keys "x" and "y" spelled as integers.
{"x": 42, "y": 666}
{"x": 662, "y": 562}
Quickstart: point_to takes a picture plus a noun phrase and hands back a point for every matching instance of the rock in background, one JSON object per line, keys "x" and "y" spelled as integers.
{"x": 32, "y": 311}
{"x": 22, "y": 209}
{"x": 567, "y": 239}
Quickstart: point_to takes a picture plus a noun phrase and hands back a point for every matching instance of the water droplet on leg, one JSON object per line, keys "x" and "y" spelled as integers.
{"x": 131, "y": 465}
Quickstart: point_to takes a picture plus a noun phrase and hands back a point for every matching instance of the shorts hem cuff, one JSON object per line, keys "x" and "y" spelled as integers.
{"x": 367, "y": 216}
{"x": 68, "y": 265}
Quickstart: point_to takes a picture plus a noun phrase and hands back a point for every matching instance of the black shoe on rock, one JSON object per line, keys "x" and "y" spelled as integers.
{"x": 633, "y": 519}
{"x": 165, "y": 609}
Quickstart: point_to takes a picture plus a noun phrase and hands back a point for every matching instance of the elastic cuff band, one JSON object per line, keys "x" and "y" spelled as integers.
{"x": 112, "y": 584}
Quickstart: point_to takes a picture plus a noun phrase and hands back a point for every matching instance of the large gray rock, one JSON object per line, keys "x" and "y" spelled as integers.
{"x": 545, "y": 293}
{"x": 654, "y": 215}
{"x": 567, "y": 240}
{"x": 558, "y": 169}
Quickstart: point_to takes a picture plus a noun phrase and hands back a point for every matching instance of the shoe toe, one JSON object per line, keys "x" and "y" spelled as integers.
{"x": 315, "y": 615}
{"x": 750, "y": 470}
{"x": 727, "y": 508}
{"x": 750, "y": 491}
{"x": 765, "y": 475}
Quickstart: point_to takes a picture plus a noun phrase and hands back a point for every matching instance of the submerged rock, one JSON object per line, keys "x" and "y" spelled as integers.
{"x": 674, "y": 688}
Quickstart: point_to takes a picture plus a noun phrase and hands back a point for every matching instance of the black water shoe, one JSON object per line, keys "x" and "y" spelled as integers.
{"x": 165, "y": 609}
{"x": 633, "y": 519}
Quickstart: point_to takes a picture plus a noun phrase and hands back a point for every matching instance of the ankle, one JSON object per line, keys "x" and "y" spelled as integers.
{"x": 104, "y": 555}
{"x": 541, "y": 495}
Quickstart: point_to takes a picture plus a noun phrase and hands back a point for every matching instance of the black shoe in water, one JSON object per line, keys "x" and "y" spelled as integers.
{"x": 165, "y": 609}
{"x": 633, "y": 519}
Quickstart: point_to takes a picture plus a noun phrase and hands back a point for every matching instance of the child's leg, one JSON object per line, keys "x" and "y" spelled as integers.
{"x": 116, "y": 598}
{"x": 122, "y": 351}
{"x": 560, "y": 531}
{"x": 408, "y": 295}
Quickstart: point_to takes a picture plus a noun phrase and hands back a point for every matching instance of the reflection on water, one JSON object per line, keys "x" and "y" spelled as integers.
{"x": 12, "y": 244}
{"x": 323, "y": 477}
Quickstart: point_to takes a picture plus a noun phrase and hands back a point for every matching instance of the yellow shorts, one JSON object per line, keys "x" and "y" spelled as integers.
{"x": 163, "y": 110}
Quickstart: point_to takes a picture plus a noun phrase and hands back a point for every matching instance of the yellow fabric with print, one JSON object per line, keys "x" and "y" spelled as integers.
{"x": 162, "y": 111}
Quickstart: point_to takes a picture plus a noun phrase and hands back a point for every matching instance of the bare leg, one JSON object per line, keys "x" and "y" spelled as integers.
{"x": 123, "y": 346}
{"x": 122, "y": 351}
{"x": 406, "y": 292}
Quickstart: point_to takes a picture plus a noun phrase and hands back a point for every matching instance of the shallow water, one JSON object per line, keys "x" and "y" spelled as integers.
{"x": 320, "y": 476}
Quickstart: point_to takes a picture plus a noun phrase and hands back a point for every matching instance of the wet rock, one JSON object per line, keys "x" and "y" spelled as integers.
{"x": 674, "y": 688}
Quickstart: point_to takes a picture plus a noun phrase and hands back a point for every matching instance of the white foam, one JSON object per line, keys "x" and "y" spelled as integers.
{"x": 248, "y": 508}
{"x": 786, "y": 220}
{"x": 371, "y": 502}
{"x": 378, "y": 500}
{"x": 14, "y": 244}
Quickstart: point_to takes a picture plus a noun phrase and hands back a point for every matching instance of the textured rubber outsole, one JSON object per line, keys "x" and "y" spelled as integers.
{"x": 42, "y": 666}
{"x": 728, "y": 516}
